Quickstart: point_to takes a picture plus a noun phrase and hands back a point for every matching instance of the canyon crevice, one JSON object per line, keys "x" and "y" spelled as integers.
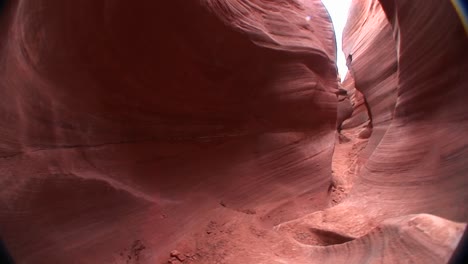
{"x": 217, "y": 131}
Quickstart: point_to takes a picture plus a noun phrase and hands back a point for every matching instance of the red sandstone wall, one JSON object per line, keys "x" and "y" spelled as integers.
{"x": 360, "y": 113}
{"x": 370, "y": 50}
{"x": 413, "y": 184}
{"x": 140, "y": 121}
{"x": 129, "y": 130}
{"x": 421, "y": 157}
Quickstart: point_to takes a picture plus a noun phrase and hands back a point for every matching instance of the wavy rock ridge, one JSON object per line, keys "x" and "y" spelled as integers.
{"x": 206, "y": 132}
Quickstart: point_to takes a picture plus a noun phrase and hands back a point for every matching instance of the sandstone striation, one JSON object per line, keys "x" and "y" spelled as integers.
{"x": 130, "y": 122}
{"x": 215, "y": 131}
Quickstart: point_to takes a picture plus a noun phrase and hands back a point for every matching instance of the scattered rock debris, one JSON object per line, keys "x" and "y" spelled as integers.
{"x": 132, "y": 255}
{"x": 176, "y": 257}
{"x": 337, "y": 193}
{"x": 245, "y": 211}
{"x": 248, "y": 211}
{"x": 211, "y": 227}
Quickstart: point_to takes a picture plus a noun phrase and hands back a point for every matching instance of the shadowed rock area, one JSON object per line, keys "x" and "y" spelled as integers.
{"x": 215, "y": 131}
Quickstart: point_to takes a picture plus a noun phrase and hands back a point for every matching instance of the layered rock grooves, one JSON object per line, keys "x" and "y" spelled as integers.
{"x": 371, "y": 57}
{"x": 410, "y": 177}
{"x": 417, "y": 165}
{"x": 136, "y": 124}
{"x": 206, "y": 132}
{"x": 360, "y": 113}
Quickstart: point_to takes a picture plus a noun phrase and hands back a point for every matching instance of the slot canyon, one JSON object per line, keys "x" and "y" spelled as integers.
{"x": 218, "y": 131}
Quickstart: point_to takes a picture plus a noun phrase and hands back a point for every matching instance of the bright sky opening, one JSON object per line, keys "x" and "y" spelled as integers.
{"x": 338, "y": 10}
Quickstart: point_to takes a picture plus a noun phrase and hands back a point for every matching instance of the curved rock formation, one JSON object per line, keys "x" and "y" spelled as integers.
{"x": 139, "y": 122}
{"x": 421, "y": 156}
{"x": 205, "y": 132}
{"x": 360, "y": 113}
{"x": 370, "y": 50}
{"x": 416, "y": 166}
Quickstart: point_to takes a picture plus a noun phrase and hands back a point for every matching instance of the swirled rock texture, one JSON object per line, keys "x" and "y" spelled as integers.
{"x": 417, "y": 162}
{"x": 370, "y": 49}
{"x": 360, "y": 112}
{"x": 410, "y": 183}
{"x": 124, "y": 127}
{"x": 422, "y": 154}
{"x": 205, "y": 131}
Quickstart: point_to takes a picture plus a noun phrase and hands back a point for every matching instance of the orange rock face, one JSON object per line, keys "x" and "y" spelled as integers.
{"x": 206, "y": 132}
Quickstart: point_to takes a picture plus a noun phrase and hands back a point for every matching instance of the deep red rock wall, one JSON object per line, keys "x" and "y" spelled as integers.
{"x": 413, "y": 87}
{"x": 126, "y": 122}
{"x": 412, "y": 185}
{"x": 130, "y": 130}
{"x": 418, "y": 165}
{"x": 369, "y": 47}
{"x": 360, "y": 112}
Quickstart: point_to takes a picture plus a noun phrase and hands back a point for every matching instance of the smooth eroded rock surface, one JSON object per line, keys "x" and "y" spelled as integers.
{"x": 125, "y": 122}
{"x": 206, "y": 132}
